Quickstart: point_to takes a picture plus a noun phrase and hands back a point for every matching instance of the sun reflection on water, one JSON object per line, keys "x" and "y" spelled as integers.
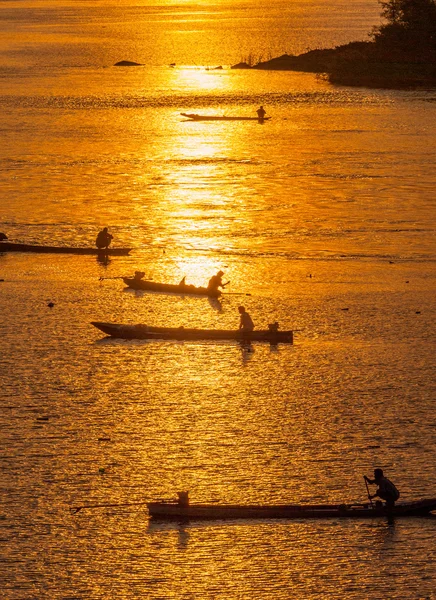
{"x": 200, "y": 79}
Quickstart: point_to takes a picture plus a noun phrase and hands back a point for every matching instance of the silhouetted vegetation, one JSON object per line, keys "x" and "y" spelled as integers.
{"x": 409, "y": 32}
{"x": 402, "y": 52}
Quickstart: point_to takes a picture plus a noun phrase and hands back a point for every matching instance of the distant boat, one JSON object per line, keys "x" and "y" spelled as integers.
{"x": 13, "y": 247}
{"x": 195, "y": 117}
{"x": 180, "y": 512}
{"x": 145, "y": 332}
{"x": 182, "y": 289}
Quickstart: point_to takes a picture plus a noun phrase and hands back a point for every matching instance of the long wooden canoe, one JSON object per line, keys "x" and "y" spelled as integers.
{"x": 13, "y": 247}
{"x": 144, "y": 332}
{"x": 152, "y": 286}
{"x": 175, "y": 511}
{"x": 195, "y": 117}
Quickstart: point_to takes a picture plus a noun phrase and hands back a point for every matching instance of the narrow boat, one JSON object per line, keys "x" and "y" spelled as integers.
{"x": 176, "y": 511}
{"x": 195, "y": 117}
{"x": 144, "y": 332}
{"x": 13, "y": 247}
{"x": 152, "y": 286}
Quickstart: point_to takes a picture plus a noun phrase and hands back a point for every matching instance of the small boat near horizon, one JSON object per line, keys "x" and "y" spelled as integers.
{"x": 17, "y": 247}
{"x": 170, "y": 511}
{"x": 182, "y": 289}
{"x": 196, "y": 117}
{"x": 145, "y": 332}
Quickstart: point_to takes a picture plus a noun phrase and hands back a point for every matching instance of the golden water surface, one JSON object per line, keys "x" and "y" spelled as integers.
{"x": 321, "y": 218}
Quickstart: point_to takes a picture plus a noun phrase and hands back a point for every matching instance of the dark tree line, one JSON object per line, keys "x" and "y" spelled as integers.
{"x": 409, "y": 30}
{"x": 401, "y": 53}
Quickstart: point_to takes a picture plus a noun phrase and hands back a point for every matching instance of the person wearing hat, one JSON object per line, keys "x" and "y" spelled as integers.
{"x": 215, "y": 282}
{"x": 386, "y": 490}
{"x": 245, "y": 322}
{"x": 104, "y": 238}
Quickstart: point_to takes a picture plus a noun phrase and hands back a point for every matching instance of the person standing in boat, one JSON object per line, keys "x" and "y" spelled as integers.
{"x": 245, "y": 321}
{"x": 261, "y": 112}
{"x": 215, "y": 282}
{"x": 103, "y": 240}
{"x": 386, "y": 490}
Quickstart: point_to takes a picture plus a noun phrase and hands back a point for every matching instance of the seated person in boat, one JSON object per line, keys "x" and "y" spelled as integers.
{"x": 386, "y": 490}
{"x": 245, "y": 321}
{"x": 3, "y": 236}
{"x": 216, "y": 282}
{"x": 103, "y": 240}
{"x": 139, "y": 275}
{"x": 261, "y": 112}
{"x": 183, "y": 498}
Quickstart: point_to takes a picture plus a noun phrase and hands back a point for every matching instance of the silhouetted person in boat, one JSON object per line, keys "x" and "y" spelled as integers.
{"x": 183, "y": 498}
{"x": 103, "y": 240}
{"x": 3, "y": 236}
{"x": 386, "y": 490}
{"x": 139, "y": 275}
{"x": 215, "y": 282}
{"x": 261, "y": 112}
{"x": 245, "y": 321}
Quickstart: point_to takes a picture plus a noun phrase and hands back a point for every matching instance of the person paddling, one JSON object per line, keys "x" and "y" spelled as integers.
{"x": 215, "y": 282}
{"x": 386, "y": 490}
{"x": 103, "y": 240}
{"x": 139, "y": 275}
{"x": 245, "y": 321}
{"x": 3, "y": 236}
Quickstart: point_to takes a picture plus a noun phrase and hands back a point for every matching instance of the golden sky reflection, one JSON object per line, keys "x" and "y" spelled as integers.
{"x": 192, "y": 204}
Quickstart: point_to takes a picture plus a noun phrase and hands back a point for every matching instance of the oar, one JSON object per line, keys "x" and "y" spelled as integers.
{"x": 233, "y": 293}
{"x": 236, "y": 294}
{"x": 120, "y": 277}
{"x": 367, "y": 490}
{"x": 75, "y": 509}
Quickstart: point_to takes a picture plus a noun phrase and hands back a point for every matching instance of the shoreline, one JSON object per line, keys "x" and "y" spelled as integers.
{"x": 354, "y": 64}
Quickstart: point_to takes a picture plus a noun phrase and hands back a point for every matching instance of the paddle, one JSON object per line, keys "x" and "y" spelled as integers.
{"x": 236, "y": 294}
{"x": 233, "y": 293}
{"x": 367, "y": 490}
{"x": 102, "y": 278}
{"x": 119, "y": 277}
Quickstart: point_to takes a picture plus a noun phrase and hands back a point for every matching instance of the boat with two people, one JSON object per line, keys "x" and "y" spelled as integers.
{"x": 138, "y": 283}
{"x": 182, "y": 288}
{"x": 273, "y": 335}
